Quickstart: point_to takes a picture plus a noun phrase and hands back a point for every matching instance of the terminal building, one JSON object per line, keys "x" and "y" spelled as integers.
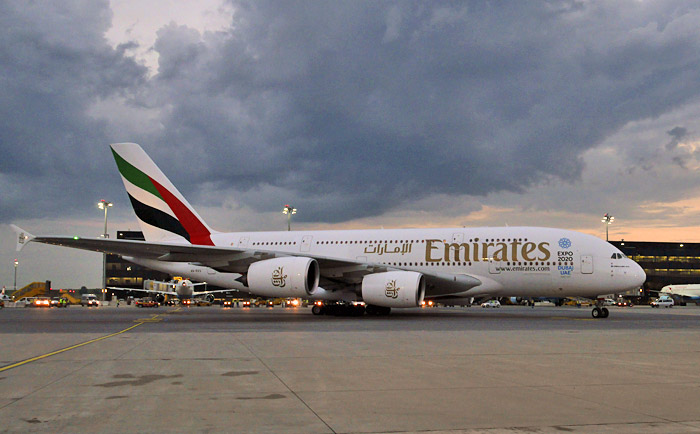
{"x": 664, "y": 263}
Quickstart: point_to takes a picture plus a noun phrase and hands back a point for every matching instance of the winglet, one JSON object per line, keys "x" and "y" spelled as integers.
{"x": 23, "y": 237}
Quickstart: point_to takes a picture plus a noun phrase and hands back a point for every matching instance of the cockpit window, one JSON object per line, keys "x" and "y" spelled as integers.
{"x": 617, "y": 256}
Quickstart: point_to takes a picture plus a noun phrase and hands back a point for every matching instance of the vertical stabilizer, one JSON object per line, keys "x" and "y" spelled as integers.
{"x": 163, "y": 213}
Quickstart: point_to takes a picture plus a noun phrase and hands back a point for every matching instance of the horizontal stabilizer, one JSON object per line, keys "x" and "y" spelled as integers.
{"x": 22, "y": 237}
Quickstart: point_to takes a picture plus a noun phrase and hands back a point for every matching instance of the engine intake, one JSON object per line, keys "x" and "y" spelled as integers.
{"x": 394, "y": 289}
{"x": 284, "y": 277}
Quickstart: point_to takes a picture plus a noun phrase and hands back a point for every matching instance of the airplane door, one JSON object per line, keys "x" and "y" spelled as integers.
{"x": 243, "y": 242}
{"x": 458, "y": 238}
{"x": 494, "y": 266}
{"x": 306, "y": 243}
{"x": 586, "y": 264}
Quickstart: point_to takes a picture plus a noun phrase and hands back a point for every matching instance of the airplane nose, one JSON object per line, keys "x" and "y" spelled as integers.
{"x": 637, "y": 276}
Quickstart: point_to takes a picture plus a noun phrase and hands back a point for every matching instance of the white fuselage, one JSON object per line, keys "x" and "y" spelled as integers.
{"x": 689, "y": 290}
{"x": 509, "y": 261}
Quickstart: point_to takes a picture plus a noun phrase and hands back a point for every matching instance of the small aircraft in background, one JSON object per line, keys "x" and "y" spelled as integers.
{"x": 687, "y": 291}
{"x": 182, "y": 289}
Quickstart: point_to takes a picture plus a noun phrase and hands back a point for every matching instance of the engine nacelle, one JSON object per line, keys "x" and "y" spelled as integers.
{"x": 394, "y": 289}
{"x": 284, "y": 277}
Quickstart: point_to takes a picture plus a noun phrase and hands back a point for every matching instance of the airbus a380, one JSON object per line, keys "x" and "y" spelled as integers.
{"x": 392, "y": 268}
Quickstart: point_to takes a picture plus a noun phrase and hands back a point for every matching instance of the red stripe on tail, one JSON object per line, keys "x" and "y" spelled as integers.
{"x": 199, "y": 234}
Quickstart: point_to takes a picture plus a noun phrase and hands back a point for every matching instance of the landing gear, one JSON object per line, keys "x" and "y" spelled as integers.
{"x": 377, "y": 310}
{"x": 600, "y": 312}
{"x": 338, "y": 309}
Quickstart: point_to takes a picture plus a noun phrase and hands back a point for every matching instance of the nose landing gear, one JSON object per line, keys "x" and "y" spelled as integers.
{"x": 599, "y": 311}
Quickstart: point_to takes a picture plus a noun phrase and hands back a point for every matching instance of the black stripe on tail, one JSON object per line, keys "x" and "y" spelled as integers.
{"x": 158, "y": 218}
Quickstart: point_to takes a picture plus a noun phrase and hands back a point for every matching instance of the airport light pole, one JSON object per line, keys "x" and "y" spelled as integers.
{"x": 16, "y": 264}
{"x": 607, "y": 219}
{"x": 289, "y": 210}
{"x": 105, "y": 205}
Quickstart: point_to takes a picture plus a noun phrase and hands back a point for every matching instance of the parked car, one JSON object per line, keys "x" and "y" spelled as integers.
{"x": 146, "y": 302}
{"x": 491, "y": 303}
{"x": 663, "y": 301}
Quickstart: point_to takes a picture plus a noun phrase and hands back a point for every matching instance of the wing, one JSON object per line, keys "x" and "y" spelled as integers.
{"x": 335, "y": 272}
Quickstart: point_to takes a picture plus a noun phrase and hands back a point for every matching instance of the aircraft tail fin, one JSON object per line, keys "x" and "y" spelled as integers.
{"x": 22, "y": 237}
{"x": 163, "y": 213}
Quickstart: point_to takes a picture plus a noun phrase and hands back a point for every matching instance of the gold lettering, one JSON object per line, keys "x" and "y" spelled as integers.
{"x": 428, "y": 250}
{"x": 543, "y": 248}
{"x": 485, "y": 249}
{"x": 515, "y": 245}
{"x": 502, "y": 253}
{"x": 457, "y": 248}
{"x": 527, "y": 249}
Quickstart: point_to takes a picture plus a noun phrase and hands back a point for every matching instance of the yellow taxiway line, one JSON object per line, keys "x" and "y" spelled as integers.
{"x": 154, "y": 318}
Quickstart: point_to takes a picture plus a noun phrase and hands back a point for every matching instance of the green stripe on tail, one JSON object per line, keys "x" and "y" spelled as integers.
{"x": 135, "y": 176}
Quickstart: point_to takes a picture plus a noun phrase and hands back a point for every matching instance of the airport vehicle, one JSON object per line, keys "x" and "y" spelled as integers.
{"x": 24, "y": 302}
{"x": 202, "y": 302}
{"x": 291, "y": 302}
{"x": 146, "y": 302}
{"x": 623, "y": 303}
{"x": 491, "y": 303}
{"x": 394, "y": 268}
{"x": 59, "y": 302}
{"x": 245, "y": 303}
{"x": 89, "y": 300}
{"x": 39, "y": 302}
{"x": 663, "y": 301}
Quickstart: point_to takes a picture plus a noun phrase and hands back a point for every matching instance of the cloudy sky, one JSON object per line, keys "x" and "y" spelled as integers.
{"x": 360, "y": 114}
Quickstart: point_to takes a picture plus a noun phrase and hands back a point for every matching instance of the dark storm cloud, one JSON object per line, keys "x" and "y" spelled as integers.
{"x": 349, "y": 109}
{"x": 55, "y": 62}
{"x": 355, "y": 108}
{"x": 677, "y": 135}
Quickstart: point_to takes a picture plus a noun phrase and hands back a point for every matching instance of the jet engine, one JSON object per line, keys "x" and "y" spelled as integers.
{"x": 393, "y": 289}
{"x": 284, "y": 277}
{"x": 160, "y": 298}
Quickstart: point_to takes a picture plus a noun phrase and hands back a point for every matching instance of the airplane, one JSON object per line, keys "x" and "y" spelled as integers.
{"x": 691, "y": 291}
{"x": 182, "y": 289}
{"x": 384, "y": 268}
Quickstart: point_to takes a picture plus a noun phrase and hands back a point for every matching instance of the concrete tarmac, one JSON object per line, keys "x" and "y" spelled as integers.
{"x": 210, "y": 369}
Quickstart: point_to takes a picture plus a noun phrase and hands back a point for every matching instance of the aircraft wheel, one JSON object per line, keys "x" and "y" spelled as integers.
{"x": 605, "y": 312}
{"x": 596, "y": 312}
{"x": 316, "y": 310}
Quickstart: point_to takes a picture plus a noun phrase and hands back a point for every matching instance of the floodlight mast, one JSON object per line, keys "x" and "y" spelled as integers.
{"x": 289, "y": 210}
{"x": 105, "y": 205}
{"x": 607, "y": 219}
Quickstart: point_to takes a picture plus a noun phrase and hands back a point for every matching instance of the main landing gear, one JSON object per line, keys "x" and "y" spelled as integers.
{"x": 599, "y": 311}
